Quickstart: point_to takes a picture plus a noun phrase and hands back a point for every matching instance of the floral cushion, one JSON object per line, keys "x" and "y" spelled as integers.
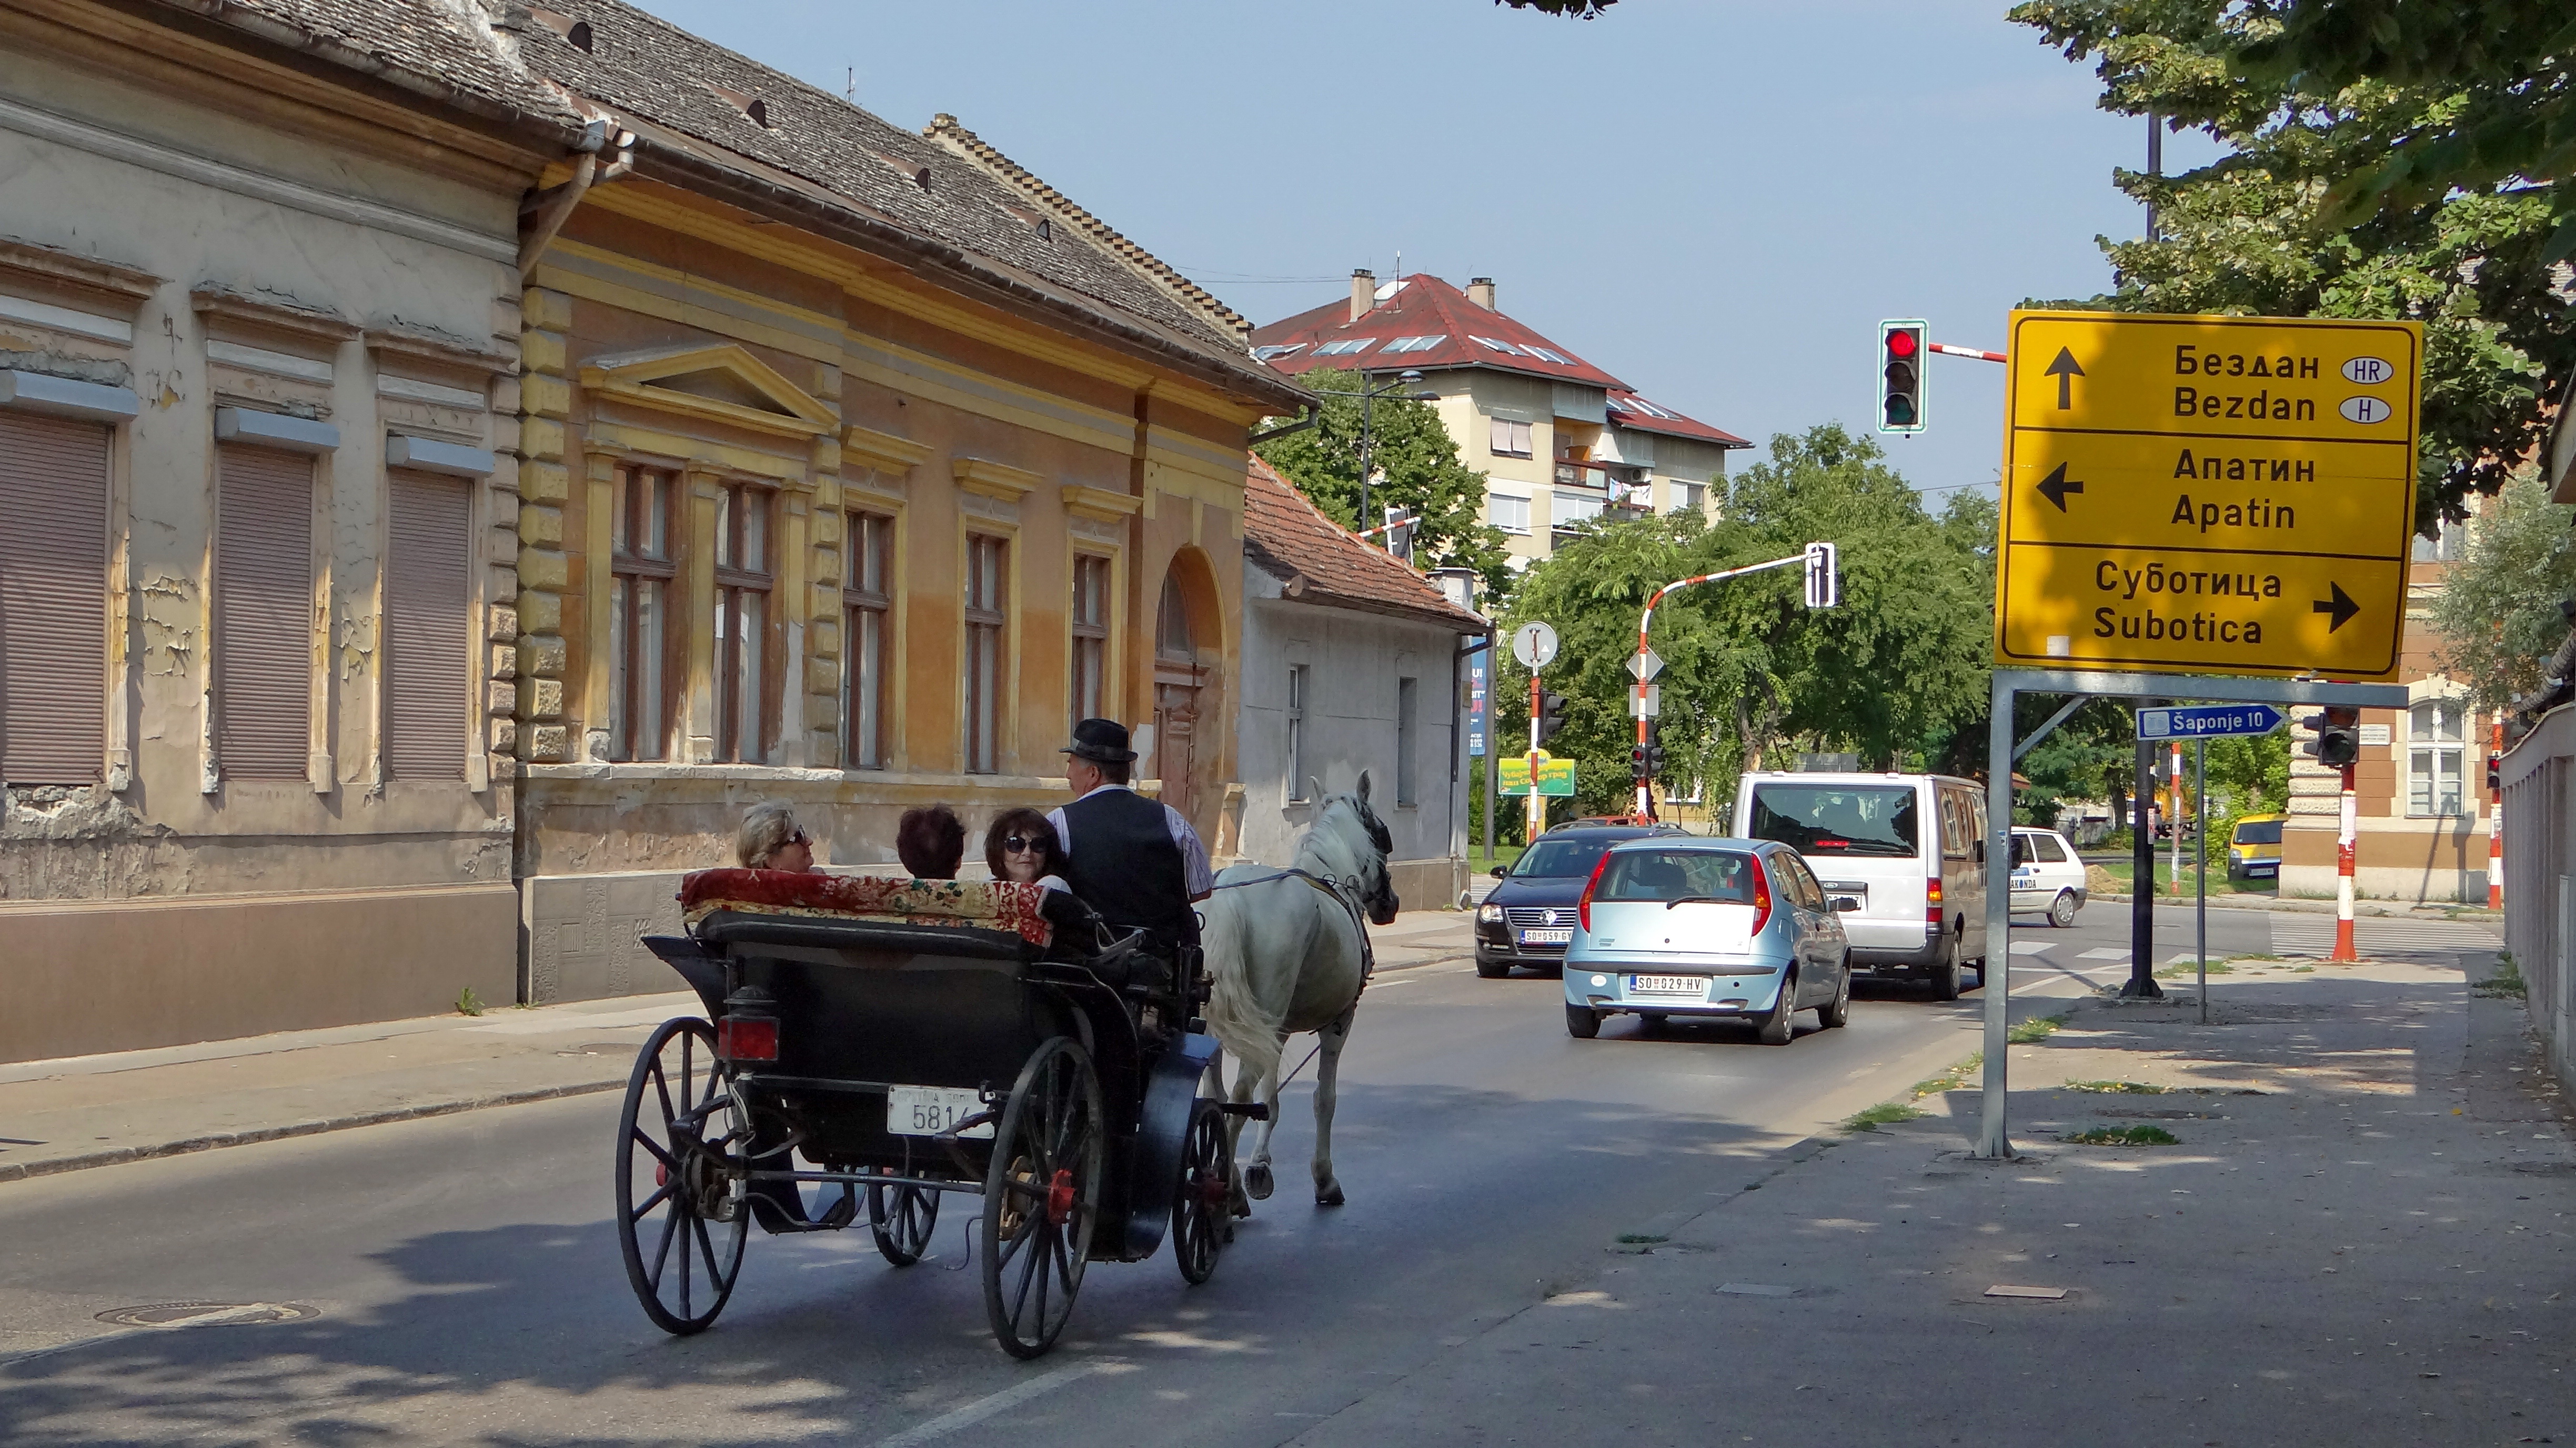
{"x": 991, "y": 904}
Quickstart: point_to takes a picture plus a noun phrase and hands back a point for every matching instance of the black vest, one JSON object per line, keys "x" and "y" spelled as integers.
{"x": 1125, "y": 864}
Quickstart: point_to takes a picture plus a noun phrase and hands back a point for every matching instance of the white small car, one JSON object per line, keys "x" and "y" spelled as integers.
{"x": 2048, "y": 876}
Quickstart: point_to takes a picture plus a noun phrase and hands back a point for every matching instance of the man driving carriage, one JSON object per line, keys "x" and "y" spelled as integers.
{"x": 1138, "y": 863}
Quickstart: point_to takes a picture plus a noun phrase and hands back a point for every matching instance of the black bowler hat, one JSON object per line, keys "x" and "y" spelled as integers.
{"x": 1102, "y": 741}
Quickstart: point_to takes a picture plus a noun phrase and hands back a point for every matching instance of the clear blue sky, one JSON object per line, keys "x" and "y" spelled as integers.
{"x": 1715, "y": 200}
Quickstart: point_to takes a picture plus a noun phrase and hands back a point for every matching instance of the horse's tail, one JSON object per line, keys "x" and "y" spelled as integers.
{"x": 1234, "y": 1013}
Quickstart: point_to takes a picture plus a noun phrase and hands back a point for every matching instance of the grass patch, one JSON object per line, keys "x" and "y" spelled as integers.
{"x": 468, "y": 1004}
{"x": 2507, "y": 980}
{"x": 2303, "y": 970}
{"x": 2118, "y": 1088}
{"x": 2035, "y": 1030}
{"x": 1885, "y": 1113}
{"x": 2123, "y": 1136}
{"x": 1640, "y": 1239}
{"x": 1952, "y": 1079}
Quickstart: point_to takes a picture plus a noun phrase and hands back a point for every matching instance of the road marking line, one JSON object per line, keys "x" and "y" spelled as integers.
{"x": 2105, "y": 952}
{"x": 1011, "y": 1397}
{"x": 2032, "y": 947}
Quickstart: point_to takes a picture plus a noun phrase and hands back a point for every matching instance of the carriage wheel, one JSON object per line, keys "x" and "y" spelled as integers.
{"x": 901, "y": 1219}
{"x": 677, "y": 1141}
{"x": 1202, "y": 1219}
{"x": 1042, "y": 1197}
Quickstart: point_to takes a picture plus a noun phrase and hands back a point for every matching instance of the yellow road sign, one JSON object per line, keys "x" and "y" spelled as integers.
{"x": 2207, "y": 494}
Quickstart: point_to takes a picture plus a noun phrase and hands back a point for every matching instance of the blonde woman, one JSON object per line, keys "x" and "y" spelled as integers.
{"x": 770, "y": 839}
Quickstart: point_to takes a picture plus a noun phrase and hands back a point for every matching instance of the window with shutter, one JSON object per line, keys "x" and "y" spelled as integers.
{"x": 986, "y": 680}
{"x": 742, "y": 624}
{"x": 1090, "y": 635}
{"x": 53, "y": 599}
{"x": 641, "y": 579}
{"x": 263, "y": 613}
{"x": 427, "y": 691}
{"x": 866, "y": 649}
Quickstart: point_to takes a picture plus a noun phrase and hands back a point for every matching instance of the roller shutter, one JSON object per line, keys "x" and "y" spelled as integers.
{"x": 53, "y": 599}
{"x": 264, "y": 613}
{"x": 427, "y": 694}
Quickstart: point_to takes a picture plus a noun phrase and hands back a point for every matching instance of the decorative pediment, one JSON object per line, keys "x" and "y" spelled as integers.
{"x": 723, "y": 383}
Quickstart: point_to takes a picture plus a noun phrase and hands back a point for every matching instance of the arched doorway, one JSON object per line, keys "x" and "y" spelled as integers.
{"x": 1177, "y": 682}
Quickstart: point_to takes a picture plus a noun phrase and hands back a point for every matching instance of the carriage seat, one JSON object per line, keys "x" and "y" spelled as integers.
{"x": 1021, "y": 910}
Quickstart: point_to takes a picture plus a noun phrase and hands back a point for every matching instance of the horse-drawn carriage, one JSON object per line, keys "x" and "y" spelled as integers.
{"x": 914, "y": 1039}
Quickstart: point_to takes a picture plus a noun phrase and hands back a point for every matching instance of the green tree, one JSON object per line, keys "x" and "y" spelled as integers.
{"x": 1409, "y": 444}
{"x": 1749, "y": 670}
{"x": 2498, "y": 611}
{"x": 2272, "y": 228}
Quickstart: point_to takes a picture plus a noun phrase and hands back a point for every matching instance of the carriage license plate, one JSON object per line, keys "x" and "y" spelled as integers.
{"x": 1668, "y": 985}
{"x": 930, "y": 1110}
{"x": 1547, "y": 937}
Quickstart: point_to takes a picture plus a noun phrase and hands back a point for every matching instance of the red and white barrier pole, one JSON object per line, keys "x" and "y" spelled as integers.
{"x": 2495, "y": 821}
{"x": 2347, "y": 829}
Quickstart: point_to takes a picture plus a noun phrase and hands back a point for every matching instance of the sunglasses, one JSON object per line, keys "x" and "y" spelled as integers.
{"x": 1022, "y": 845}
{"x": 799, "y": 838}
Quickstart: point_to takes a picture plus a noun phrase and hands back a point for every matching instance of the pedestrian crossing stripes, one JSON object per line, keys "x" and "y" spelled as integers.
{"x": 2379, "y": 937}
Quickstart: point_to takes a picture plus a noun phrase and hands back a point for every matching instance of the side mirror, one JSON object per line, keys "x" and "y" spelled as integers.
{"x": 1502, "y": 871}
{"x": 1845, "y": 904}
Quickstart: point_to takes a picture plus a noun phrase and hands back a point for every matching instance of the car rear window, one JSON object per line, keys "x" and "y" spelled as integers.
{"x": 1847, "y": 820}
{"x": 2259, "y": 832}
{"x": 1671, "y": 875}
{"x": 1552, "y": 859}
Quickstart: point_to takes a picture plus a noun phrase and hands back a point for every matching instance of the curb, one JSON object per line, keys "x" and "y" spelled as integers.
{"x": 22, "y": 1171}
{"x": 2378, "y": 910}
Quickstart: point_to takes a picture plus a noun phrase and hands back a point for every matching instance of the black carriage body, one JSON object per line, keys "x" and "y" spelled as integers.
{"x": 862, "y": 1005}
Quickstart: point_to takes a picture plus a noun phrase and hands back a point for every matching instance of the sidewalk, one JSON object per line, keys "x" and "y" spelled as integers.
{"x": 2360, "y": 1236}
{"x": 58, "y": 1116}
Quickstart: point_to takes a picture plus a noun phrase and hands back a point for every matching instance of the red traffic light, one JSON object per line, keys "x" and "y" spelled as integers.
{"x": 1900, "y": 343}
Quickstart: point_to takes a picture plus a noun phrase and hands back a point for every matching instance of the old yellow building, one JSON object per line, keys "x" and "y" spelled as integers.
{"x": 860, "y": 463}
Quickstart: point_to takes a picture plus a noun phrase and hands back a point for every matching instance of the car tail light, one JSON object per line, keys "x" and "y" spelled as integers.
{"x": 747, "y": 1038}
{"x": 1761, "y": 897}
{"x": 1583, "y": 908}
{"x": 1932, "y": 911}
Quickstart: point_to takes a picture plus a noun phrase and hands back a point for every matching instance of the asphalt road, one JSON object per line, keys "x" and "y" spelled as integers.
{"x": 463, "y": 1284}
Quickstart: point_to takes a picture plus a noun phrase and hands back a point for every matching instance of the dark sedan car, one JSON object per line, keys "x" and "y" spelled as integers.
{"x": 1529, "y": 918}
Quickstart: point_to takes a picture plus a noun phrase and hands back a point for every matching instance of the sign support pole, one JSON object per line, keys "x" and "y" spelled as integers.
{"x": 2173, "y": 819}
{"x": 2347, "y": 827}
{"x": 1996, "y": 979}
{"x": 1537, "y": 802}
{"x": 2200, "y": 811}
{"x": 2142, "y": 883}
{"x": 2495, "y": 822}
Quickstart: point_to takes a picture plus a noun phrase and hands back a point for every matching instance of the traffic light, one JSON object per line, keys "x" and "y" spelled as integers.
{"x": 1401, "y": 524}
{"x": 1824, "y": 576}
{"x": 1551, "y": 715}
{"x": 2338, "y": 741}
{"x": 1901, "y": 352}
{"x": 1646, "y": 761}
{"x": 2495, "y": 772}
{"x": 1639, "y": 766}
{"x": 1655, "y": 759}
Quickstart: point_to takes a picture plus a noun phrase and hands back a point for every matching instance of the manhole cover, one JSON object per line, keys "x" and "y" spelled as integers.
{"x": 208, "y": 1314}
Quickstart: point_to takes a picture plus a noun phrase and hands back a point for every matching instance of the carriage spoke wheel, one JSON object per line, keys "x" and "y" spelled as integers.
{"x": 679, "y": 1140}
{"x": 1042, "y": 1197}
{"x": 1202, "y": 1220}
{"x": 900, "y": 1218}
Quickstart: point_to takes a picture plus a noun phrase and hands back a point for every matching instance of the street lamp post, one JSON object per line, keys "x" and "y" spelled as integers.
{"x": 1403, "y": 384}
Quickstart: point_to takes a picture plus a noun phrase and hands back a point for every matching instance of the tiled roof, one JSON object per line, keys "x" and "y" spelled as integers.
{"x": 655, "y": 76}
{"x": 1629, "y": 410}
{"x": 1448, "y": 330}
{"x": 443, "y": 48}
{"x": 1320, "y": 561}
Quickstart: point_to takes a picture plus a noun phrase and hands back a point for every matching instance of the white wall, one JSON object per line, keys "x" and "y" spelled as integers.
{"x": 1353, "y": 661}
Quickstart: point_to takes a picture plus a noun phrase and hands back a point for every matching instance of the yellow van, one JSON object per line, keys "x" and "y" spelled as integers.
{"x": 2254, "y": 851}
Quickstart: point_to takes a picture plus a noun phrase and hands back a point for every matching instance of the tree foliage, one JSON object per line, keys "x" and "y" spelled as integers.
{"x": 1749, "y": 670}
{"x": 2323, "y": 204}
{"x": 1422, "y": 469}
{"x": 2498, "y": 611}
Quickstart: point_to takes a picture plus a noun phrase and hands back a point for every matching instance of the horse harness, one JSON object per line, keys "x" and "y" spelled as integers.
{"x": 1344, "y": 893}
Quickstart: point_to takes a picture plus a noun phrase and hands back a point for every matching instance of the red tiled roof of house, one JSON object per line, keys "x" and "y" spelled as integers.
{"x": 1442, "y": 327}
{"x": 1320, "y": 561}
{"x": 1627, "y": 409}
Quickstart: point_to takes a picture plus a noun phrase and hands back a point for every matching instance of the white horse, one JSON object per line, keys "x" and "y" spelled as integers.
{"x": 1288, "y": 954}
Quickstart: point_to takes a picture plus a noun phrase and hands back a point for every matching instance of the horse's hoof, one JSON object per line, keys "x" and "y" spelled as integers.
{"x": 1329, "y": 1195}
{"x": 1256, "y": 1182}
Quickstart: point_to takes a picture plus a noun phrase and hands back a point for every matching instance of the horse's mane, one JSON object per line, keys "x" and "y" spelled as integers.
{"x": 1377, "y": 831}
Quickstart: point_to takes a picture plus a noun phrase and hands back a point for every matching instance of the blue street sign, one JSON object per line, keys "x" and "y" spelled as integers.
{"x": 1477, "y": 669}
{"x": 2208, "y": 721}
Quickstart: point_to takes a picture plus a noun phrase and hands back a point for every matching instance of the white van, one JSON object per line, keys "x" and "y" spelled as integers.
{"x": 1909, "y": 847}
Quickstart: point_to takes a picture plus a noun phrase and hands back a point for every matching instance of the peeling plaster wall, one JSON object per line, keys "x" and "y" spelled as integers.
{"x": 262, "y": 235}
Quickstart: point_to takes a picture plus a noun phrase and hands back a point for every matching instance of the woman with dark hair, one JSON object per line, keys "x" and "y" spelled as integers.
{"x": 930, "y": 842}
{"x": 1021, "y": 847}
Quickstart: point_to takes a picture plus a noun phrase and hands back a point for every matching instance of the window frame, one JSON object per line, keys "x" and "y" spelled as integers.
{"x": 2428, "y": 752}
{"x": 984, "y": 633}
{"x": 1500, "y": 435}
{"x": 1087, "y": 628}
{"x": 867, "y": 538}
{"x": 1299, "y": 686}
{"x": 634, "y": 569}
{"x": 1408, "y": 738}
{"x": 737, "y": 584}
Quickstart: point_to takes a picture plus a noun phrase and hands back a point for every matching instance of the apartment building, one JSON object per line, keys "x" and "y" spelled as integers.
{"x": 1562, "y": 443}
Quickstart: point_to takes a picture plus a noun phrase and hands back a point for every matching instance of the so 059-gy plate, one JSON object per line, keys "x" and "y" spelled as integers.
{"x": 930, "y": 1110}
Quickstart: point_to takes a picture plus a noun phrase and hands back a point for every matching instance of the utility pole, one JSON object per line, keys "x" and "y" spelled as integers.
{"x": 1824, "y": 590}
{"x": 2155, "y": 167}
{"x": 2142, "y": 883}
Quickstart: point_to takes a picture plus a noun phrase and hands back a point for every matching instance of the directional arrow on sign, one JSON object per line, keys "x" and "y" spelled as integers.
{"x": 2057, "y": 485}
{"x": 2065, "y": 370}
{"x": 2341, "y": 606}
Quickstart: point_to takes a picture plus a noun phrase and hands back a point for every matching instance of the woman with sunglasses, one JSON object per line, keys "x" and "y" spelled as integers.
{"x": 770, "y": 839}
{"x": 1021, "y": 846}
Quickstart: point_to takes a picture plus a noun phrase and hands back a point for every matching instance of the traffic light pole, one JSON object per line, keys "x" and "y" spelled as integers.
{"x": 1645, "y": 621}
{"x": 2347, "y": 829}
{"x": 1537, "y": 824}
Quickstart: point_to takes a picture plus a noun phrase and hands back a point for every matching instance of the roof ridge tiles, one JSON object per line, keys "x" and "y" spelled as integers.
{"x": 1299, "y": 544}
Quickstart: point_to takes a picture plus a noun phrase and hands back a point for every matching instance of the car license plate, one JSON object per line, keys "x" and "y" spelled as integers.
{"x": 1547, "y": 937}
{"x": 930, "y": 1110}
{"x": 1668, "y": 984}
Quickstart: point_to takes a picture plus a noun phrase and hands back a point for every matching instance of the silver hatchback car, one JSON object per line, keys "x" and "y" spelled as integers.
{"x": 1707, "y": 928}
